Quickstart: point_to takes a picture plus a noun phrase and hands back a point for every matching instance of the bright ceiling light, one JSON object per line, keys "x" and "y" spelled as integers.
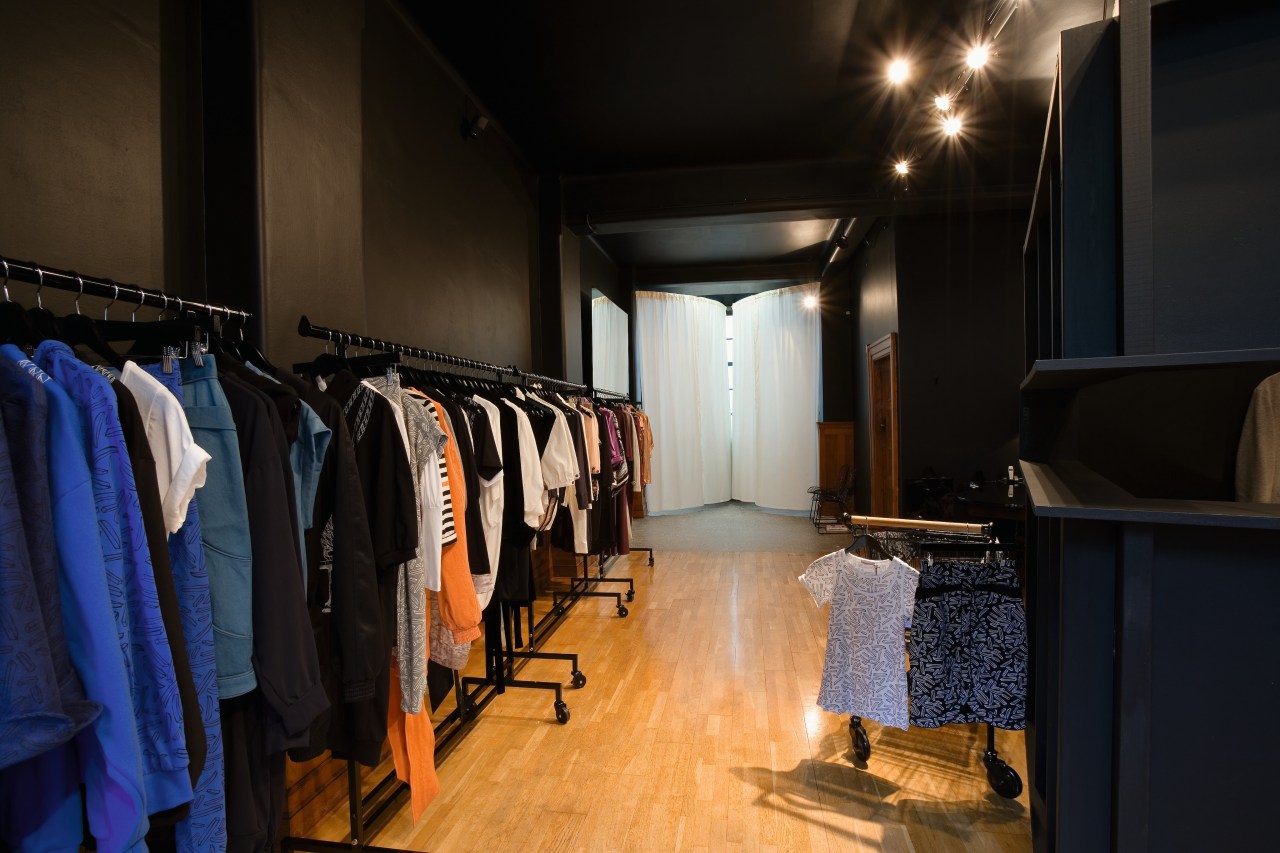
{"x": 899, "y": 71}
{"x": 811, "y": 301}
{"x": 978, "y": 56}
{"x": 902, "y": 167}
{"x": 942, "y": 102}
{"x": 951, "y": 126}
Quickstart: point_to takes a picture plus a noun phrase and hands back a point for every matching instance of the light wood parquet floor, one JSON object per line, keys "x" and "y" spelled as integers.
{"x": 698, "y": 730}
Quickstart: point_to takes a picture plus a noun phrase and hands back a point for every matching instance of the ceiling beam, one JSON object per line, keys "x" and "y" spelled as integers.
{"x": 654, "y": 277}
{"x": 644, "y": 201}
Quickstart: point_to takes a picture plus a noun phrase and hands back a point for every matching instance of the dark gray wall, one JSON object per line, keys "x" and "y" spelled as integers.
{"x": 960, "y": 341}
{"x": 1214, "y": 118}
{"x": 86, "y": 161}
{"x": 312, "y": 196}
{"x": 870, "y": 281}
{"x": 449, "y": 223}
{"x": 576, "y": 332}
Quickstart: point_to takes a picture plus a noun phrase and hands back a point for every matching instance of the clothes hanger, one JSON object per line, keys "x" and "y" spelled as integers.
{"x": 79, "y": 330}
{"x": 15, "y": 326}
{"x": 870, "y": 543}
{"x": 43, "y": 321}
{"x": 326, "y": 363}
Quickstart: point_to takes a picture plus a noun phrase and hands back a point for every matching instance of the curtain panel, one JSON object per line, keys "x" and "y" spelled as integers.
{"x": 681, "y": 363}
{"x": 777, "y": 404}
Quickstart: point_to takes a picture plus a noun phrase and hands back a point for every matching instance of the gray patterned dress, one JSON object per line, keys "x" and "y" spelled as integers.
{"x": 865, "y": 672}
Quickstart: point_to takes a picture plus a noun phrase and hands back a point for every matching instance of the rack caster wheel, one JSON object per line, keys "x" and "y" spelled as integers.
{"x": 562, "y": 712}
{"x": 579, "y": 680}
{"x": 623, "y": 611}
{"x": 631, "y": 595}
{"x": 1004, "y": 780}
{"x": 861, "y": 743}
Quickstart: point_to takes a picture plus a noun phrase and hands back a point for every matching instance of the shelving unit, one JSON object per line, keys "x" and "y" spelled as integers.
{"x": 1147, "y": 583}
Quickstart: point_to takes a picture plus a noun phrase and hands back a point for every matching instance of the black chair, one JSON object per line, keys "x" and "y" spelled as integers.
{"x": 839, "y": 496}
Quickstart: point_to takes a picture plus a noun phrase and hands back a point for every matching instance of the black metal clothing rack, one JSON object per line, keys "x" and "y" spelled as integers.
{"x": 504, "y": 661}
{"x": 1003, "y": 779}
{"x": 105, "y": 288}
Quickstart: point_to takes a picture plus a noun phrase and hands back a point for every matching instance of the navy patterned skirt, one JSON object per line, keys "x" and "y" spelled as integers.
{"x": 969, "y": 646}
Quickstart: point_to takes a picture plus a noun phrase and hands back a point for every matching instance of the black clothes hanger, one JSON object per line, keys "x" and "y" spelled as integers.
{"x": 79, "y": 330}
{"x": 15, "y": 326}
{"x": 870, "y": 543}
{"x": 325, "y": 364}
{"x": 42, "y": 320}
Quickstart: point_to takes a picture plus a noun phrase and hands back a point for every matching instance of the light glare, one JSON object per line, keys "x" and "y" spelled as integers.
{"x": 811, "y": 301}
{"x": 902, "y": 167}
{"x": 898, "y": 71}
{"x": 942, "y": 102}
{"x": 978, "y": 56}
{"x": 951, "y": 126}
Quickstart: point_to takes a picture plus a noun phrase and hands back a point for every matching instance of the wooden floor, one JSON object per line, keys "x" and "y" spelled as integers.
{"x": 698, "y": 730}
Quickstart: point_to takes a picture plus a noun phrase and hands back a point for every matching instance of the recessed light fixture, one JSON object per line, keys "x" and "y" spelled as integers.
{"x": 899, "y": 70}
{"x": 902, "y": 167}
{"x": 951, "y": 126}
{"x": 811, "y": 301}
{"x": 978, "y": 56}
{"x": 942, "y": 103}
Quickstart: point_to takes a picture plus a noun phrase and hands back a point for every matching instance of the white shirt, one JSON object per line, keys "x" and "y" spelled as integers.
{"x": 491, "y": 506}
{"x": 530, "y": 468}
{"x": 180, "y": 462}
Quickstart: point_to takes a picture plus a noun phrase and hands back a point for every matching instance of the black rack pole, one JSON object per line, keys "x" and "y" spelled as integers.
{"x": 105, "y": 288}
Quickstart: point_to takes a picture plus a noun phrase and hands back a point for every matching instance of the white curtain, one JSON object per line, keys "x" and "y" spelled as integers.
{"x": 776, "y": 403}
{"x": 681, "y": 373}
{"x": 610, "y": 363}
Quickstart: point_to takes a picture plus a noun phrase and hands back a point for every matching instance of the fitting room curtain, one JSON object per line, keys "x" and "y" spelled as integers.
{"x": 776, "y": 406}
{"x": 681, "y": 377}
{"x": 610, "y": 364}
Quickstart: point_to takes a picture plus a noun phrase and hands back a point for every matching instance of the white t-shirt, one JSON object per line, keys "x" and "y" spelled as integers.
{"x": 491, "y": 506}
{"x": 865, "y": 671}
{"x": 180, "y": 462}
{"x": 530, "y": 468}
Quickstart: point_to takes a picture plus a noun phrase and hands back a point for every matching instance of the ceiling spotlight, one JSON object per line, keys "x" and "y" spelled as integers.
{"x": 978, "y": 56}
{"x": 951, "y": 126}
{"x": 811, "y": 301}
{"x": 898, "y": 71}
{"x": 942, "y": 102}
{"x": 902, "y": 167}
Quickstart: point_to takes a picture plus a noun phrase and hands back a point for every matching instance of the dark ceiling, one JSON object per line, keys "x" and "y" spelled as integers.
{"x": 683, "y": 128}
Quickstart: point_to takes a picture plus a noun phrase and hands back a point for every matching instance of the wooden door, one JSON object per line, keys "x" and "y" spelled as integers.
{"x": 835, "y": 453}
{"x": 882, "y": 396}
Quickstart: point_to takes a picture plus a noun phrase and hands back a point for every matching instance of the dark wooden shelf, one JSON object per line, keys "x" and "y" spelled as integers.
{"x": 1062, "y": 373}
{"x": 1073, "y": 490}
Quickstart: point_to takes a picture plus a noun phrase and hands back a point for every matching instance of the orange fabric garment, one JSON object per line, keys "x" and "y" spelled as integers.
{"x": 646, "y": 448}
{"x": 413, "y": 749}
{"x": 459, "y": 605}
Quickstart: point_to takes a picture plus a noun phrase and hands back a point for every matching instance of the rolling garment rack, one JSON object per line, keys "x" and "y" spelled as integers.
{"x": 908, "y": 539}
{"x": 370, "y": 812}
{"x": 625, "y": 398}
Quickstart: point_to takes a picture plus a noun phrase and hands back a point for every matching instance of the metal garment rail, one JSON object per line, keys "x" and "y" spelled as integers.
{"x": 90, "y": 285}
{"x": 370, "y": 812}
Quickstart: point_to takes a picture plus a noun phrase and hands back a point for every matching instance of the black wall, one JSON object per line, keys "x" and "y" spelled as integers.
{"x": 450, "y": 226}
{"x": 868, "y": 283}
{"x": 960, "y": 341}
{"x": 1214, "y": 120}
{"x": 950, "y": 285}
{"x": 92, "y": 169}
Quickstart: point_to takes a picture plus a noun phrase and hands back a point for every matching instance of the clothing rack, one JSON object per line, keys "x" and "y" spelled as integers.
{"x": 106, "y": 288}
{"x": 369, "y": 812}
{"x": 604, "y": 392}
{"x": 954, "y": 537}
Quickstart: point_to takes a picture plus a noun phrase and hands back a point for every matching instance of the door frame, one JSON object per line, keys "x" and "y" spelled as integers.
{"x": 885, "y": 348}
